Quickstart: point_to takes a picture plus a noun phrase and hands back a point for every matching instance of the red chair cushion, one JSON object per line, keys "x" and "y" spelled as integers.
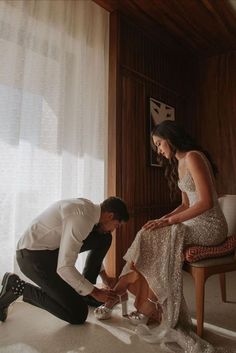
{"x": 196, "y": 252}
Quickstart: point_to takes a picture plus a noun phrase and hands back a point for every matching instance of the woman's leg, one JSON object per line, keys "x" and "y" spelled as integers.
{"x": 145, "y": 300}
{"x": 122, "y": 286}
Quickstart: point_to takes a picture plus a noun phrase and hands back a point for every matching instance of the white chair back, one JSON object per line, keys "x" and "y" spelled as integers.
{"x": 228, "y": 206}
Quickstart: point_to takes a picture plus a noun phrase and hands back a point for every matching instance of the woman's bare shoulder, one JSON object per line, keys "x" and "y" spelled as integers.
{"x": 195, "y": 158}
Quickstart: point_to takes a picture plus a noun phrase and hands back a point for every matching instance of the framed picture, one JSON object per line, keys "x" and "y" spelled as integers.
{"x": 159, "y": 111}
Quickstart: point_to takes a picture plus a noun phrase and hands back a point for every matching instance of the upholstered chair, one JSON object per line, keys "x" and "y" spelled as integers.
{"x": 203, "y": 262}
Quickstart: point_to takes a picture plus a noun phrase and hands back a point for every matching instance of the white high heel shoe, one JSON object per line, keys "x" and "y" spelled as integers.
{"x": 103, "y": 312}
{"x": 137, "y": 318}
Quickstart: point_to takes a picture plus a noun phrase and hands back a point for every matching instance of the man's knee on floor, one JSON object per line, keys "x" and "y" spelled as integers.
{"x": 78, "y": 317}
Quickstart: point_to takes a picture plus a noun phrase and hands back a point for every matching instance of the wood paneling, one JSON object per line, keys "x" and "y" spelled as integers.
{"x": 146, "y": 69}
{"x": 114, "y": 131}
{"x": 216, "y": 115}
{"x": 206, "y": 27}
{"x": 145, "y": 61}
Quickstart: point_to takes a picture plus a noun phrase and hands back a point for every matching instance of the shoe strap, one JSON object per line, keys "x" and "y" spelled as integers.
{"x": 156, "y": 303}
{"x": 121, "y": 295}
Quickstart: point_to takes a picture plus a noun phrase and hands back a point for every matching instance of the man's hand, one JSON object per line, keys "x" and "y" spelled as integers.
{"x": 103, "y": 295}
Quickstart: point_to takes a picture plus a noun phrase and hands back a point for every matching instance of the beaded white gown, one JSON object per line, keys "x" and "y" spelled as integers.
{"x": 157, "y": 255}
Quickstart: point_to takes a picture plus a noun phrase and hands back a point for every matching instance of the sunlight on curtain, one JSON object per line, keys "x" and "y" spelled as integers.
{"x": 53, "y": 109}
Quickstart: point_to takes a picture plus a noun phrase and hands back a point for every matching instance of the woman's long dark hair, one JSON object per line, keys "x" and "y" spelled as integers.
{"x": 179, "y": 140}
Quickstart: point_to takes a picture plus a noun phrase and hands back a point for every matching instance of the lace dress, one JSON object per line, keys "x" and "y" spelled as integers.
{"x": 157, "y": 255}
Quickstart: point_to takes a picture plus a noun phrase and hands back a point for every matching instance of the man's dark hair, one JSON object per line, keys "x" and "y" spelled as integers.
{"x": 117, "y": 206}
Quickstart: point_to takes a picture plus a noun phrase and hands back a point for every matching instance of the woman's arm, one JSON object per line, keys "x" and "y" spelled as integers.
{"x": 156, "y": 223}
{"x": 184, "y": 205}
{"x": 202, "y": 178}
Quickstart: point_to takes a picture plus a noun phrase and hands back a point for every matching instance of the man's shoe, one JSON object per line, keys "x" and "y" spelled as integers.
{"x": 92, "y": 301}
{"x": 3, "y": 314}
{"x": 12, "y": 288}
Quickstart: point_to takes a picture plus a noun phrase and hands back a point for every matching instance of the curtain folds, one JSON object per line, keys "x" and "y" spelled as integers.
{"x": 53, "y": 109}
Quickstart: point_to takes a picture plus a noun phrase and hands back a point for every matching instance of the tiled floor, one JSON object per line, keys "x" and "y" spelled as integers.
{"x": 32, "y": 330}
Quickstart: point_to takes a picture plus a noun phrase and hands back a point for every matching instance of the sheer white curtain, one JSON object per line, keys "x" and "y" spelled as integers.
{"x": 53, "y": 109}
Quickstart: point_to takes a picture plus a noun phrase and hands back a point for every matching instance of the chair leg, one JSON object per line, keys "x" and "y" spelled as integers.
{"x": 199, "y": 278}
{"x": 223, "y": 286}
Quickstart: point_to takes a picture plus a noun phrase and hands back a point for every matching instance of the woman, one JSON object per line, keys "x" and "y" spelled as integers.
{"x": 153, "y": 271}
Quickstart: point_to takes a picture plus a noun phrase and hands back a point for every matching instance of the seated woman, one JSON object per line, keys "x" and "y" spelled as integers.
{"x": 153, "y": 270}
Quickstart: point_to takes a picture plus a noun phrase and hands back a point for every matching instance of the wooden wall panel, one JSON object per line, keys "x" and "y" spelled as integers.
{"x": 203, "y": 91}
{"x": 146, "y": 69}
{"x": 205, "y": 26}
{"x": 145, "y": 56}
{"x": 216, "y": 115}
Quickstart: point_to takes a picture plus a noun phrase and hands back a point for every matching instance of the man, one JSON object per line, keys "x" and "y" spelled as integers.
{"x": 47, "y": 253}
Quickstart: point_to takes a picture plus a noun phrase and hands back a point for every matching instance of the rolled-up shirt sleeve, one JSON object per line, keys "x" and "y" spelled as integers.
{"x": 75, "y": 229}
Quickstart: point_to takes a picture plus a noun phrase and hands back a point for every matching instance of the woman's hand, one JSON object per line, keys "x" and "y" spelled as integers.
{"x": 156, "y": 223}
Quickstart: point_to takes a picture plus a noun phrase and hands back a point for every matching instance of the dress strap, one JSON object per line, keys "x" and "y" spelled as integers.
{"x": 209, "y": 168}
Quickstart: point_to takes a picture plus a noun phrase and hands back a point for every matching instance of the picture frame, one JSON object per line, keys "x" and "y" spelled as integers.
{"x": 158, "y": 112}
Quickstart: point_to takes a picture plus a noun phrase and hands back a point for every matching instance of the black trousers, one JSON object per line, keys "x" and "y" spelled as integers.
{"x": 53, "y": 293}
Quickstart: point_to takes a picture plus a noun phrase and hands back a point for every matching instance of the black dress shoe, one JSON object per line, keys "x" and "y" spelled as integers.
{"x": 12, "y": 288}
{"x": 91, "y": 301}
{"x": 3, "y": 314}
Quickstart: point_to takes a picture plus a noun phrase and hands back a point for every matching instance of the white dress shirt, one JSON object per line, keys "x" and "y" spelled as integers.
{"x": 64, "y": 225}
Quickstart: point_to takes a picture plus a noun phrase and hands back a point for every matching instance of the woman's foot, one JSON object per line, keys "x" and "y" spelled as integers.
{"x": 104, "y": 311}
{"x": 149, "y": 312}
{"x": 137, "y": 318}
